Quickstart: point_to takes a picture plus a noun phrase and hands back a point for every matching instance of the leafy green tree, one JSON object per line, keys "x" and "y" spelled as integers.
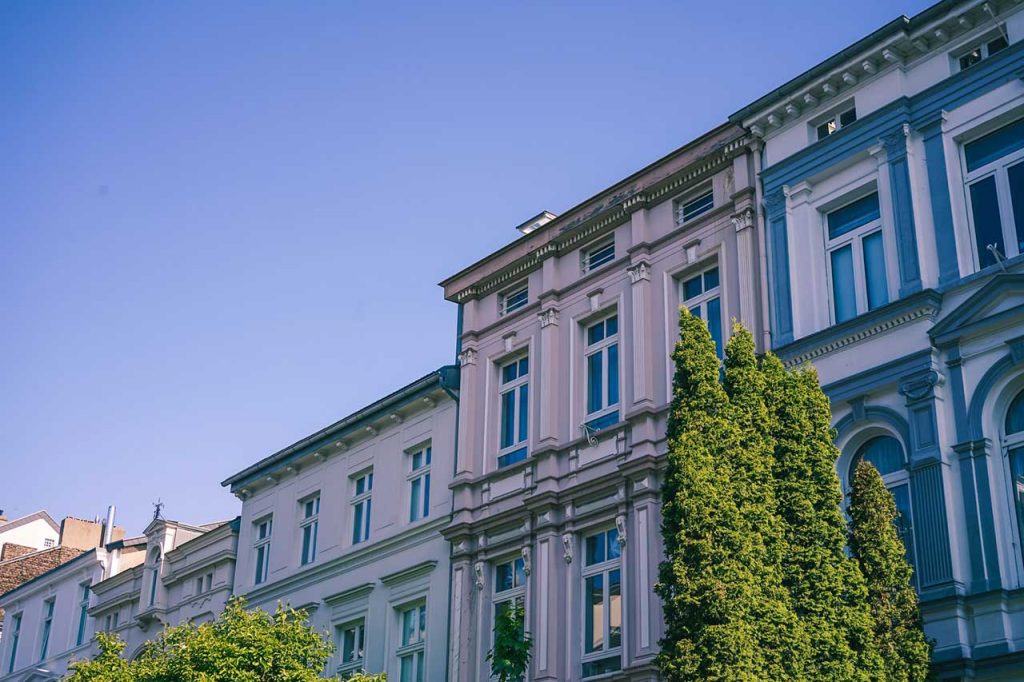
{"x": 725, "y": 616}
{"x": 512, "y": 650}
{"x": 876, "y": 545}
{"x": 240, "y": 646}
{"x": 827, "y": 588}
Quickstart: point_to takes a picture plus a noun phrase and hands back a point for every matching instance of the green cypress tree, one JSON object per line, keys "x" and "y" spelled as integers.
{"x": 723, "y": 620}
{"x": 826, "y": 585}
{"x": 876, "y": 545}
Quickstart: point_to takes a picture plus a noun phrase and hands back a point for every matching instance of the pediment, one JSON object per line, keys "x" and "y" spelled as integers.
{"x": 1001, "y": 298}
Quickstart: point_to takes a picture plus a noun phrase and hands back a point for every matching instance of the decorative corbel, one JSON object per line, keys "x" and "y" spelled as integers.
{"x": 620, "y": 526}
{"x": 478, "y": 570}
{"x": 527, "y": 560}
{"x": 567, "y": 547}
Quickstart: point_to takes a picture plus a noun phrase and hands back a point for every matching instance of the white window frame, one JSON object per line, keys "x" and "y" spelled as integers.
{"x": 514, "y": 386}
{"x": 17, "y": 620}
{"x": 855, "y": 238}
{"x": 835, "y": 118}
{"x": 83, "y": 613}
{"x": 356, "y": 664}
{"x": 515, "y": 594}
{"x": 46, "y": 627}
{"x": 701, "y": 300}
{"x": 504, "y": 307}
{"x": 364, "y": 502}
{"x": 982, "y": 45}
{"x": 997, "y": 168}
{"x": 587, "y": 260}
{"x": 416, "y": 647}
{"x": 601, "y": 348}
{"x": 1010, "y": 442}
{"x": 419, "y": 475}
{"x": 689, "y": 200}
{"x": 601, "y": 568}
{"x": 309, "y": 525}
{"x": 262, "y": 544}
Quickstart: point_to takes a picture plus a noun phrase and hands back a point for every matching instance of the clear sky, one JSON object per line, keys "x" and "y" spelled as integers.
{"x": 222, "y": 223}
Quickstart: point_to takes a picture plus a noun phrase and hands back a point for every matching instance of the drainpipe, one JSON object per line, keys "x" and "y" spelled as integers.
{"x": 762, "y": 239}
{"x": 451, "y": 513}
{"x": 108, "y": 527}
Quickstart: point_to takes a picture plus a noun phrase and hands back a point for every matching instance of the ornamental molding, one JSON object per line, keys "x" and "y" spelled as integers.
{"x": 567, "y": 547}
{"x": 467, "y": 357}
{"x": 743, "y": 220}
{"x": 641, "y": 272}
{"x": 478, "y": 572}
{"x": 895, "y": 143}
{"x": 775, "y": 203}
{"x": 527, "y": 560}
{"x": 548, "y": 317}
{"x": 620, "y": 526}
{"x": 921, "y": 386}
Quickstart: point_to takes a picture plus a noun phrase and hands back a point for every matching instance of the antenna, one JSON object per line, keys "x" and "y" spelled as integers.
{"x": 994, "y": 250}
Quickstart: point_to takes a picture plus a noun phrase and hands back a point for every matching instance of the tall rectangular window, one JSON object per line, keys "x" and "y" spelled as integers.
{"x": 15, "y": 637}
{"x": 411, "y": 650}
{"x": 700, "y": 293}
{"x": 596, "y": 256}
{"x": 44, "y": 634}
{"x": 419, "y": 484}
{"x": 362, "y": 506}
{"x": 509, "y": 586}
{"x": 308, "y": 527}
{"x": 513, "y": 299}
{"x": 602, "y": 359}
{"x": 856, "y": 258}
{"x": 83, "y": 614}
{"x": 995, "y": 191}
{"x": 261, "y": 548}
{"x": 515, "y": 402}
{"x": 351, "y": 638}
{"x": 602, "y": 603}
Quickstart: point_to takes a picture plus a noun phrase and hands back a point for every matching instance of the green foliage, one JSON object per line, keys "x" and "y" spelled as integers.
{"x": 827, "y": 588}
{"x": 511, "y": 654}
{"x": 726, "y": 617}
{"x": 876, "y": 545}
{"x": 240, "y": 646}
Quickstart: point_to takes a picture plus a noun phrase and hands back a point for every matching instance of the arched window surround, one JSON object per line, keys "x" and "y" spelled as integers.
{"x": 1011, "y": 447}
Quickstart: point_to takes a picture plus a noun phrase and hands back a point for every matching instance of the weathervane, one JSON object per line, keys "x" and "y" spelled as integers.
{"x": 158, "y": 509}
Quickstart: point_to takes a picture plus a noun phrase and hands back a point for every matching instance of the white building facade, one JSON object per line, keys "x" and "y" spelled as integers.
{"x": 345, "y": 524}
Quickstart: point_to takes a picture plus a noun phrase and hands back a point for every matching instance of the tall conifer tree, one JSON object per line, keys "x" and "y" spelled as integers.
{"x": 827, "y": 587}
{"x": 876, "y": 545}
{"x": 723, "y": 619}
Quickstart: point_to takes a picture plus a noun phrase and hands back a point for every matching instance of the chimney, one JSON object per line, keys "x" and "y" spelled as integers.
{"x": 3, "y": 519}
{"x": 108, "y": 527}
{"x": 536, "y": 222}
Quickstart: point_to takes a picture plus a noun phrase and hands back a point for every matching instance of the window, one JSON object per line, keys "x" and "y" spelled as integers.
{"x": 413, "y": 622}
{"x": 83, "y": 614}
{"x": 856, "y": 258}
{"x": 599, "y": 255}
{"x": 419, "y": 484}
{"x": 982, "y": 51}
{"x": 995, "y": 192}
{"x": 362, "y": 505}
{"x": 111, "y": 621}
{"x": 351, "y": 638}
{"x": 515, "y": 401}
{"x": 602, "y": 358}
{"x": 15, "y": 637}
{"x": 835, "y": 122}
{"x": 154, "y": 580}
{"x": 261, "y": 549}
{"x": 308, "y": 527}
{"x": 886, "y": 454}
{"x": 209, "y": 582}
{"x": 48, "y": 543}
{"x": 204, "y": 583}
{"x": 509, "y": 586}
{"x": 44, "y": 636}
{"x": 689, "y": 209}
{"x": 1014, "y": 434}
{"x": 700, "y": 293}
{"x": 514, "y": 299}
{"x": 602, "y": 603}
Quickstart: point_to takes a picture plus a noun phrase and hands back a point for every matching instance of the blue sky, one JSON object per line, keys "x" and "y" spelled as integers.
{"x": 223, "y": 223}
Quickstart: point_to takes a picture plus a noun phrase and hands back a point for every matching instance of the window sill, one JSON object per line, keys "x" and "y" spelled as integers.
{"x": 601, "y": 420}
{"x": 512, "y": 457}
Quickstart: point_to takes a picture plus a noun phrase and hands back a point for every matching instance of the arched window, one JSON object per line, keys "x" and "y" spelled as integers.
{"x": 1014, "y": 439}
{"x": 157, "y": 559}
{"x": 886, "y": 454}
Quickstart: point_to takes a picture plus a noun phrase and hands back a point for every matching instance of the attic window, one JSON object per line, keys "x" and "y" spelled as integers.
{"x": 688, "y": 209}
{"x": 599, "y": 255}
{"x": 514, "y": 299}
{"x": 836, "y": 122}
{"x": 982, "y": 51}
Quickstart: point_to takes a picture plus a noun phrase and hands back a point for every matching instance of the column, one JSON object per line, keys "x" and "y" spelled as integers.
{"x": 938, "y": 189}
{"x": 747, "y": 268}
{"x": 895, "y": 144}
{"x": 642, "y": 334}
{"x": 551, "y": 395}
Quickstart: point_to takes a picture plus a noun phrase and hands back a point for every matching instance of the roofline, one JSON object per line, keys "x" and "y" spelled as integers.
{"x": 901, "y": 24}
{"x": 4, "y": 596}
{"x": 424, "y": 383}
{"x": 42, "y": 514}
{"x": 569, "y": 215}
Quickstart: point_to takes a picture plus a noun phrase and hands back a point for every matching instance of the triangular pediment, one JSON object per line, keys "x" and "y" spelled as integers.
{"x": 1002, "y": 297}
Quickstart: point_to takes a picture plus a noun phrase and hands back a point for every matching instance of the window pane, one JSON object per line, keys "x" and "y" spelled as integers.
{"x": 711, "y": 279}
{"x": 594, "y": 616}
{"x": 594, "y": 381}
{"x": 306, "y": 538}
{"x": 414, "y": 499}
{"x": 426, "y": 495}
{"x": 844, "y": 296}
{"x": 853, "y": 215}
{"x": 996, "y": 45}
{"x": 848, "y": 117}
{"x": 595, "y": 333}
{"x": 613, "y": 374}
{"x": 524, "y": 401}
{"x": 695, "y": 207}
{"x": 613, "y": 544}
{"x": 406, "y": 671}
{"x": 357, "y": 524}
{"x": 419, "y": 666}
{"x": 1017, "y": 473}
{"x": 508, "y": 416}
{"x": 601, "y": 255}
{"x": 408, "y": 626}
{"x": 904, "y": 523}
{"x": 524, "y": 367}
{"x": 503, "y": 578}
{"x": 995, "y": 145}
{"x": 259, "y": 565}
{"x": 611, "y": 326}
{"x": 874, "y": 271}
{"x": 715, "y": 323}
{"x": 508, "y": 373}
{"x": 692, "y": 287}
{"x": 614, "y": 609}
{"x": 520, "y": 569}
{"x": 1015, "y": 415}
{"x": 595, "y": 549}
{"x": 988, "y": 228}
{"x": 884, "y": 452}
{"x": 1015, "y": 174}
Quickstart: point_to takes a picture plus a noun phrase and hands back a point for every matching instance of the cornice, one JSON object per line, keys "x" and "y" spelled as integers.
{"x": 407, "y": 574}
{"x": 352, "y": 593}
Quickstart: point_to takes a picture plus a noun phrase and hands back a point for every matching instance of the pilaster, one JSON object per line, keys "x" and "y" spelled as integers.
{"x": 781, "y": 302}
{"x": 746, "y": 256}
{"x": 642, "y": 336}
{"x": 895, "y": 144}
{"x": 938, "y": 190}
{"x": 548, "y": 366}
